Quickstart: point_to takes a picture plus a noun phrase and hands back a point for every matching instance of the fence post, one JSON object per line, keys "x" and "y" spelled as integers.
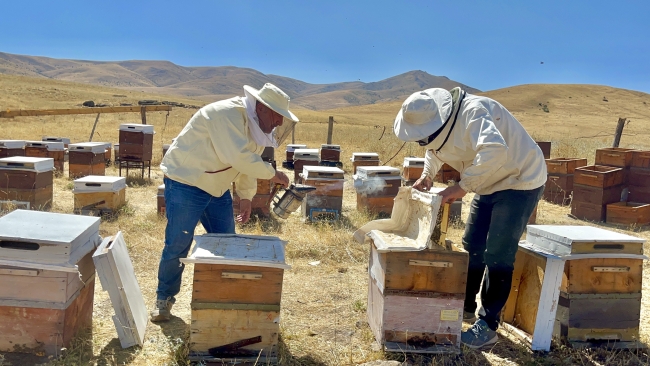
{"x": 619, "y": 132}
{"x": 330, "y": 127}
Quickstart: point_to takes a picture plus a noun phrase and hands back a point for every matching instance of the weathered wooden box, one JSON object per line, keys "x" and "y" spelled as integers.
{"x": 597, "y": 195}
{"x": 446, "y": 174}
{"x": 236, "y": 296}
{"x": 639, "y": 176}
{"x": 564, "y": 165}
{"x": 9, "y": 148}
{"x": 291, "y": 148}
{"x": 27, "y": 181}
{"x": 301, "y": 159}
{"x": 64, "y": 140}
{"x": 378, "y": 181}
{"x": 614, "y": 156}
{"x": 86, "y": 158}
{"x": 638, "y": 194}
{"x": 559, "y": 183}
{"x": 330, "y": 152}
{"x": 160, "y": 200}
{"x": 545, "y": 146}
{"x": 327, "y": 180}
{"x": 416, "y": 299}
{"x": 599, "y": 176}
{"x": 108, "y": 152}
{"x": 60, "y": 241}
{"x": 640, "y": 159}
{"x": 45, "y": 149}
{"x": 99, "y": 194}
{"x": 628, "y": 213}
{"x": 364, "y": 159}
{"x": 136, "y": 142}
{"x": 412, "y": 169}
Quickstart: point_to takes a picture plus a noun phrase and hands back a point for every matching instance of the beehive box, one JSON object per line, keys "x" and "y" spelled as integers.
{"x": 330, "y": 152}
{"x": 291, "y": 148}
{"x": 268, "y": 154}
{"x": 302, "y": 158}
{"x": 628, "y": 213}
{"x": 236, "y": 295}
{"x": 326, "y": 201}
{"x": 160, "y": 199}
{"x": 86, "y": 158}
{"x": 600, "y": 288}
{"x": 639, "y": 177}
{"x": 564, "y": 165}
{"x": 640, "y": 159}
{"x": 47, "y": 149}
{"x": 27, "y": 181}
{"x": 9, "y": 148}
{"x": 47, "y": 284}
{"x": 64, "y": 140}
{"x": 363, "y": 159}
{"x": 260, "y": 205}
{"x": 599, "y": 176}
{"x": 99, "y": 194}
{"x": 545, "y": 146}
{"x": 412, "y": 169}
{"x": 376, "y": 188}
{"x": 614, "y": 156}
{"x": 638, "y": 194}
{"x": 108, "y": 152}
{"x": 136, "y": 142}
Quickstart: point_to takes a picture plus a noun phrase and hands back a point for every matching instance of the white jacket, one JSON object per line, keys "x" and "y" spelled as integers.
{"x": 215, "y": 149}
{"x": 489, "y": 147}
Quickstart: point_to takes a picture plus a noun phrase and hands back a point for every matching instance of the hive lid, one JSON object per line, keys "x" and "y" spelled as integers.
{"x": 411, "y": 224}
{"x": 136, "y": 127}
{"x": 293, "y": 147}
{"x": 561, "y": 240}
{"x": 364, "y": 156}
{"x": 386, "y": 172}
{"x": 12, "y": 144}
{"x": 312, "y": 171}
{"x": 45, "y": 237}
{"x": 64, "y": 140}
{"x": 93, "y": 147}
{"x": 49, "y": 145}
{"x": 330, "y": 147}
{"x": 108, "y": 145}
{"x": 28, "y": 163}
{"x": 236, "y": 249}
{"x": 305, "y": 154}
{"x": 99, "y": 183}
{"x": 414, "y": 162}
{"x": 161, "y": 190}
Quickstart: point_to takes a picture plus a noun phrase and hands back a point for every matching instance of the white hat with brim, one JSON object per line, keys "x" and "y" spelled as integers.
{"x": 274, "y": 98}
{"x": 422, "y": 114}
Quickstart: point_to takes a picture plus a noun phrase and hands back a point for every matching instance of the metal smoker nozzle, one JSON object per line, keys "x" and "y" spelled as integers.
{"x": 291, "y": 199}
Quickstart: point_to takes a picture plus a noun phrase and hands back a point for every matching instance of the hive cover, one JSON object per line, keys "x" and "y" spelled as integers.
{"x": 136, "y": 127}
{"x": 236, "y": 249}
{"x": 559, "y": 239}
{"x": 12, "y": 144}
{"x": 28, "y": 163}
{"x": 94, "y": 147}
{"x": 99, "y": 183}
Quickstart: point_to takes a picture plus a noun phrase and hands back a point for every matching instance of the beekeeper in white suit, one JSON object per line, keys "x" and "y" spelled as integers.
{"x": 498, "y": 161}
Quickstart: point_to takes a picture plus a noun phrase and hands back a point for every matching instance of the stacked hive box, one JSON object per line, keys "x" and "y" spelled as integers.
{"x": 363, "y": 159}
{"x": 236, "y": 297}
{"x": 447, "y": 174}
{"x": 64, "y": 140}
{"x": 261, "y": 202}
{"x": 47, "y": 280}
{"x": 47, "y": 149}
{"x": 108, "y": 149}
{"x": 86, "y": 158}
{"x": 330, "y": 155}
{"x": 291, "y": 148}
{"x": 594, "y": 187}
{"x": 9, "y": 148}
{"x": 26, "y": 182}
{"x": 326, "y": 202}
{"x": 301, "y": 159}
{"x": 600, "y": 295}
{"x": 636, "y": 210}
{"x": 376, "y": 188}
{"x": 639, "y": 178}
{"x": 160, "y": 199}
{"x": 99, "y": 194}
{"x": 412, "y": 170}
{"x": 545, "y": 146}
{"x": 559, "y": 183}
{"x": 615, "y": 157}
{"x": 136, "y": 142}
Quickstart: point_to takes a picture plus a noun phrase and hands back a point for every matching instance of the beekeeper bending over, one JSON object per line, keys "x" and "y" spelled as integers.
{"x": 498, "y": 161}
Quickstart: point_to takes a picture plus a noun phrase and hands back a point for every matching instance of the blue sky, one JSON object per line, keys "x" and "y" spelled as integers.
{"x": 484, "y": 44}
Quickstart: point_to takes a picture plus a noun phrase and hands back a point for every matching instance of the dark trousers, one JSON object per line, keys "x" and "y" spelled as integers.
{"x": 494, "y": 227}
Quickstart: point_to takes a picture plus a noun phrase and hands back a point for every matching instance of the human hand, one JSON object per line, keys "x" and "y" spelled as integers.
{"x": 281, "y": 178}
{"x": 450, "y": 194}
{"x": 423, "y": 184}
{"x": 244, "y": 211}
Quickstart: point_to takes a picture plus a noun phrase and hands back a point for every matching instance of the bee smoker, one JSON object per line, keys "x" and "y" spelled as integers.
{"x": 290, "y": 200}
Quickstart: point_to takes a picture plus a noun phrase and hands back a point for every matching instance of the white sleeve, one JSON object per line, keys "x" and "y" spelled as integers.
{"x": 431, "y": 164}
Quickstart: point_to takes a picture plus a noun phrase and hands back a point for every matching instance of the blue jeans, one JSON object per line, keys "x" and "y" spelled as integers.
{"x": 186, "y": 206}
{"x": 494, "y": 226}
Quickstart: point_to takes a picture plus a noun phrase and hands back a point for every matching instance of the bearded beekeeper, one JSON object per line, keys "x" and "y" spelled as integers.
{"x": 502, "y": 165}
{"x": 221, "y": 144}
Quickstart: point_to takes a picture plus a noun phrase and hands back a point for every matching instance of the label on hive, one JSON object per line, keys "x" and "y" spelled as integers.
{"x": 449, "y": 315}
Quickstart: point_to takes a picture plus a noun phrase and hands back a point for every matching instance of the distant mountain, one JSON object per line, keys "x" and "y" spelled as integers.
{"x": 211, "y": 83}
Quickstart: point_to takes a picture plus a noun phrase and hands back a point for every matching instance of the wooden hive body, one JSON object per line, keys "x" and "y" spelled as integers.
{"x": 545, "y": 146}
{"x": 90, "y": 191}
{"x": 9, "y": 148}
{"x": 261, "y": 202}
{"x": 413, "y": 168}
{"x": 578, "y": 283}
{"x": 236, "y": 293}
{"x": 136, "y": 142}
{"x": 326, "y": 202}
{"x": 330, "y": 152}
{"x": 363, "y": 159}
{"x": 45, "y": 149}
{"x": 27, "y": 182}
{"x": 376, "y": 188}
{"x": 87, "y": 158}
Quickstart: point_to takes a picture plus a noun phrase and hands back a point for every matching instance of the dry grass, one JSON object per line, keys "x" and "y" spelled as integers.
{"x": 323, "y": 306}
